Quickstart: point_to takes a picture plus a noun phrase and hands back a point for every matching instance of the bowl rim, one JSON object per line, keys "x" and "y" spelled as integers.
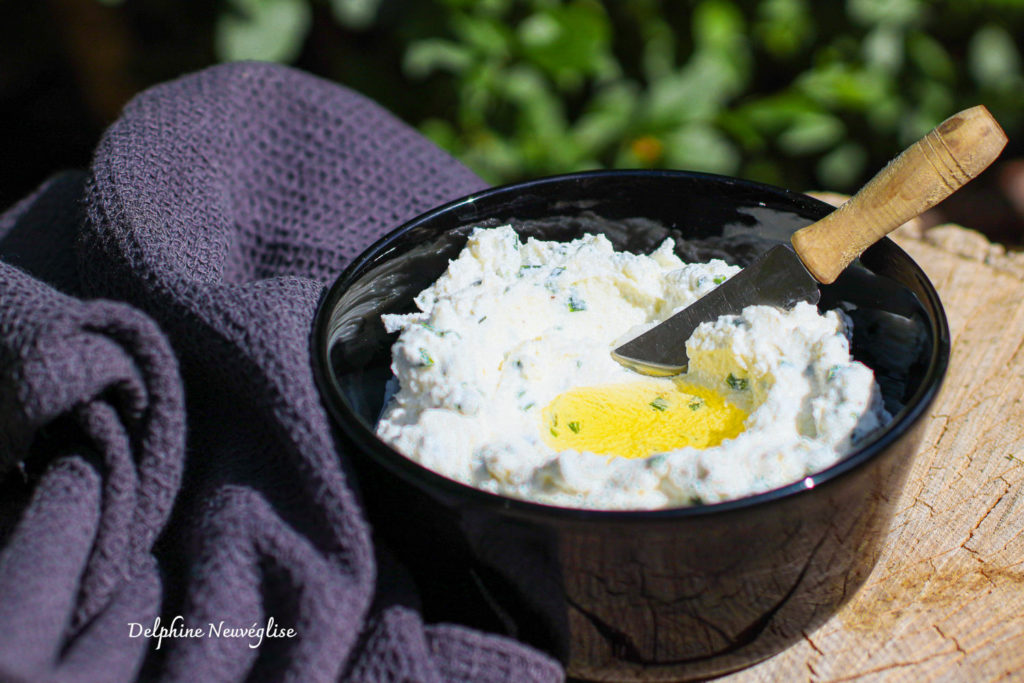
{"x": 422, "y": 477}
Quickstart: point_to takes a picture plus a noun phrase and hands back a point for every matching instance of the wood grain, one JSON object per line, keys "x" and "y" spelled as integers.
{"x": 946, "y": 599}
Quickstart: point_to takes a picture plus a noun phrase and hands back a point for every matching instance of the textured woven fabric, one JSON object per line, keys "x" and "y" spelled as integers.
{"x": 163, "y": 449}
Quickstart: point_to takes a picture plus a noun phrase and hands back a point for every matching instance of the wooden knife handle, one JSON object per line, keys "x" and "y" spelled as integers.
{"x": 927, "y": 172}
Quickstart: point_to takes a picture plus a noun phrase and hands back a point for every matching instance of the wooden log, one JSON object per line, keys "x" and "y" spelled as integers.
{"x": 946, "y": 599}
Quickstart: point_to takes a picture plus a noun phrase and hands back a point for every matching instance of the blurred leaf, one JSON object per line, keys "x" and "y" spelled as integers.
{"x": 659, "y": 49}
{"x": 485, "y": 35}
{"x": 840, "y": 168}
{"x": 442, "y": 133}
{"x": 566, "y": 41}
{"x": 269, "y": 30}
{"x": 476, "y": 93}
{"x": 930, "y": 57}
{"x": 739, "y": 126}
{"x": 883, "y": 47}
{"x": 810, "y": 133}
{"x": 718, "y": 26}
{"x": 992, "y": 58}
{"x": 494, "y": 159}
{"x": 783, "y": 27}
{"x": 932, "y": 103}
{"x": 489, "y": 7}
{"x": 716, "y": 72}
{"x": 845, "y": 86}
{"x": 540, "y": 134}
{"x": 772, "y": 115}
{"x": 896, "y": 12}
{"x": 700, "y": 148}
{"x": 426, "y": 56}
{"x": 355, "y": 14}
{"x": 606, "y": 119}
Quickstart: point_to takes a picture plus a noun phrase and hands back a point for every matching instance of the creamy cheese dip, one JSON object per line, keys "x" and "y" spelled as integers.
{"x": 506, "y": 383}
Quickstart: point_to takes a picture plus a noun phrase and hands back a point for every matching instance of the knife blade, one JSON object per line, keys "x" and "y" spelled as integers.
{"x": 924, "y": 174}
{"x": 777, "y": 278}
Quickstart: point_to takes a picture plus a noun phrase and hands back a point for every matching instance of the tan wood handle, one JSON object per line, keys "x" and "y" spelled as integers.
{"x": 927, "y": 172}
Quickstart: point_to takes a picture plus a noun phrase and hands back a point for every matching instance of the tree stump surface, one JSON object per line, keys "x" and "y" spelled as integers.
{"x": 946, "y": 600}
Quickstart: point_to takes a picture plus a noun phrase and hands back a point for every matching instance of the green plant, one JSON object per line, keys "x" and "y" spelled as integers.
{"x": 785, "y": 91}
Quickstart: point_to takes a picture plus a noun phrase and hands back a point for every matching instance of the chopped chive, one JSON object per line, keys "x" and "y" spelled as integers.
{"x": 574, "y": 427}
{"x": 554, "y": 432}
{"x": 556, "y": 271}
{"x": 576, "y": 304}
{"x": 439, "y": 333}
{"x": 656, "y": 460}
{"x": 832, "y": 372}
{"x": 695, "y": 404}
{"x": 481, "y": 320}
{"x": 659, "y": 404}
{"x": 736, "y": 383}
{"x": 528, "y": 406}
{"x": 719, "y": 279}
{"x": 427, "y": 361}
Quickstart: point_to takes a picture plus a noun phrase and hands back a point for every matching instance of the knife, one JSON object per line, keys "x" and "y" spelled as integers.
{"x": 924, "y": 174}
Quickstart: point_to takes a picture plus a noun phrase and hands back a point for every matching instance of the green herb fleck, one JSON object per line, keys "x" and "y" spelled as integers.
{"x": 554, "y": 432}
{"x": 576, "y": 304}
{"x": 481, "y": 320}
{"x": 659, "y": 404}
{"x": 832, "y": 372}
{"x": 736, "y": 383}
{"x": 528, "y": 406}
{"x": 556, "y": 271}
{"x": 439, "y": 333}
{"x": 656, "y": 460}
{"x": 719, "y": 279}
{"x": 574, "y": 427}
{"x": 695, "y": 404}
{"x": 425, "y": 359}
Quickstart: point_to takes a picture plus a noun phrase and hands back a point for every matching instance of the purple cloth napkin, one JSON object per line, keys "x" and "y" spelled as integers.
{"x": 163, "y": 450}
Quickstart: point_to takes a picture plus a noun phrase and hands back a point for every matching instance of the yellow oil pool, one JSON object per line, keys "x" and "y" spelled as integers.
{"x": 637, "y": 419}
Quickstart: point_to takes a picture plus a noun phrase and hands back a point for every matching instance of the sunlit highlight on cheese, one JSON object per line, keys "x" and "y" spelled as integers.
{"x": 639, "y": 419}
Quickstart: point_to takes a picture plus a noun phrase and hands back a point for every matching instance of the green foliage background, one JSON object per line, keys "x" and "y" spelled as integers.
{"x": 790, "y": 92}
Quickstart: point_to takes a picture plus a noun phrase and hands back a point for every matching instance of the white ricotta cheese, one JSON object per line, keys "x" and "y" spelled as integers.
{"x": 510, "y": 326}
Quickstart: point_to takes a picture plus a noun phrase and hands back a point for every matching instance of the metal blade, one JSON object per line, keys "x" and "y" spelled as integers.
{"x": 775, "y": 278}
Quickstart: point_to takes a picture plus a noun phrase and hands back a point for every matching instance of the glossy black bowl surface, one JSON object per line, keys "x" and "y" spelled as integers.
{"x": 670, "y": 594}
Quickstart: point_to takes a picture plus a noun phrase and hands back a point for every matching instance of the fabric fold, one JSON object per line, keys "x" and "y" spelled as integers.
{"x": 219, "y": 205}
{"x": 91, "y": 456}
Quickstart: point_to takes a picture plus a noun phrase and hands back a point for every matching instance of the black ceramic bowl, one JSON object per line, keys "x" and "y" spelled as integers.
{"x": 660, "y": 595}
